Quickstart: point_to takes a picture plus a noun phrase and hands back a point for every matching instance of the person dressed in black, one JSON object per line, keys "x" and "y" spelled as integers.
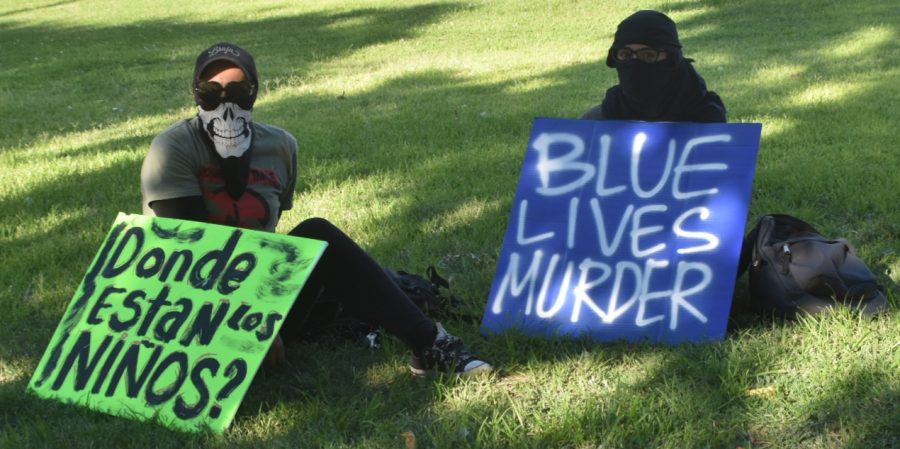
{"x": 656, "y": 82}
{"x": 222, "y": 167}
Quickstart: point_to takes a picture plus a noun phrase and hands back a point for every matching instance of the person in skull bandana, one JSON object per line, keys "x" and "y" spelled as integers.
{"x": 656, "y": 82}
{"x": 222, "y": 167}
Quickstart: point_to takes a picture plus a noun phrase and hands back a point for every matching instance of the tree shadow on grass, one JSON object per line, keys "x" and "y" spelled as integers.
{"x": 331, "y": 393}
{"x": 35, "y": 8}
{"x": 819, "y": 158}
{"x": 337, "y": 393}
{"x": 68, "y": 56}
{"x": 95, "y": 60}
{"x": 29, "y": 421}
{"x": 89, "y": 196}
{"x": 752, "y": 390}
{"x": 448, "y": 134}
{"x": 859, "y": 410}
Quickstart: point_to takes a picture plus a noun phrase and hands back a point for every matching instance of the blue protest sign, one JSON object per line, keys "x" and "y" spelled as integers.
{"x": 625, "y": 230}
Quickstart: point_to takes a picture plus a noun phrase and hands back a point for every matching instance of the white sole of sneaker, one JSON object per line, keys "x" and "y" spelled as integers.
{"x": 484, "y": 368}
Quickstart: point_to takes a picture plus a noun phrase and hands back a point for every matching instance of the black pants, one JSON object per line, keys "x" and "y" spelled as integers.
{"x": 347, "y": 272}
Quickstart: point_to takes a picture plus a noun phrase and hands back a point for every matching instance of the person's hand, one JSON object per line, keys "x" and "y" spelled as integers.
{"x": 276, "y": 355}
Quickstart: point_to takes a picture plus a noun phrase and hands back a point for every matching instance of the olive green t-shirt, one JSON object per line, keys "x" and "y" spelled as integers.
{"x": 180, "y": 164}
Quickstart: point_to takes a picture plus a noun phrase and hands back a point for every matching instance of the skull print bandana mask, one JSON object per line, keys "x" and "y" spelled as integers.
{"x": 228, "y": 126}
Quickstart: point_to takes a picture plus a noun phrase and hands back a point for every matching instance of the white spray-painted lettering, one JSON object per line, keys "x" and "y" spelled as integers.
{"x": 609, "y": 290}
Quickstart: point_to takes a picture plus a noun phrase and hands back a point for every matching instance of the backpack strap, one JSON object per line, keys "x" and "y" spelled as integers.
{"x": 747, "y": 251}
{"x": 435, "y": 278}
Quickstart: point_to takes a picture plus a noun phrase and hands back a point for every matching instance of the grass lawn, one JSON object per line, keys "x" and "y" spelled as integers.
{"x": 412, "y": 118}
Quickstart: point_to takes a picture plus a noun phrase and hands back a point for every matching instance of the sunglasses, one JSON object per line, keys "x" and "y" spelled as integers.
{"x": 644, "y": 54}
{"x": 210, "y": 94}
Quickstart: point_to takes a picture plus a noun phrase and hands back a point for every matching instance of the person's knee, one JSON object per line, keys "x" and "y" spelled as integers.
{"x": 315, "y": 227}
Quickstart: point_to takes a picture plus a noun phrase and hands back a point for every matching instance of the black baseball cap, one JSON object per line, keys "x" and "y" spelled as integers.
{"x": 225, "y": 51}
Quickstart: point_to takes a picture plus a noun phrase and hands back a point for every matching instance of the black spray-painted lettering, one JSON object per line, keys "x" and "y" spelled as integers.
{"x": 107, "y": 365}
{"x": 166, "y": 320}
{"x": 91, "y": 367}
{"x": 236, "y": 371}
{"x": 205, "y": 324}
{"x": 235, "y": 321}
{"x": 219, "y": 268}
{"x": 116, "y": 324}
{"x": 101, "y": 304}
{"x": 282, "y": 269}
{"x": 80, "y": 353}
{"x": 155, "y": 396}
{"x": 156, "y": 304}
{"x": 133, "y": 359}
{"x": 190, "y": 235}
{"x": 128, "y": 366}
{"x": 73, "y": 315}
{"x": 170, "y": 323}
{"x": 187, "y": 411}
{"x": 268, "y": 329}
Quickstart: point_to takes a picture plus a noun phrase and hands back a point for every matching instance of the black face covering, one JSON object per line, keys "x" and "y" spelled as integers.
{"x": 670, "y": 94}
{"x": 236, "y": 172}
{"x": 666, "y": 90}
{"x": 647, "y": 84}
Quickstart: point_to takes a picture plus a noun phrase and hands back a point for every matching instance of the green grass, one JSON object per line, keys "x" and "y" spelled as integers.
{"x": 412, "y": 119}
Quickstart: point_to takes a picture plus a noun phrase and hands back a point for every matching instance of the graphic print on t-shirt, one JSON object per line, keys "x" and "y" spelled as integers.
{"x": 251, "y": 210}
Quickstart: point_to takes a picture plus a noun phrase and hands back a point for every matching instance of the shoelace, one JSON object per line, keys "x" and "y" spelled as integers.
{"x": 450, "y": 351}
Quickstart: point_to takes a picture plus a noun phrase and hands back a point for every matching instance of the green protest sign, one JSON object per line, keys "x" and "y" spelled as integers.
{"x": 172, "y": 320}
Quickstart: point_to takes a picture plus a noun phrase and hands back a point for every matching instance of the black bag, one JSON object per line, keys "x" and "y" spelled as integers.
{"x": 795, "y": 270}
{"x": 425, "y": 292}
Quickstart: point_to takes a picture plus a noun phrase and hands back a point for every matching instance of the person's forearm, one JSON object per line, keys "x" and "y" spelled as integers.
{"x": 186, "y": 208}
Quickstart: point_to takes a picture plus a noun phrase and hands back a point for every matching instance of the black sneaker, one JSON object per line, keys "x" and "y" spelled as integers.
{"x": 448, "y": 355}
